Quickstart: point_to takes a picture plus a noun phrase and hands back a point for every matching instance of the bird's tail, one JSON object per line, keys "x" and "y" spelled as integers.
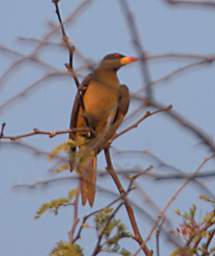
{"x": 87, "y": 172}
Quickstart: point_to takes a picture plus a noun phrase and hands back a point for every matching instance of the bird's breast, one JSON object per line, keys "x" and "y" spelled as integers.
{"x": 101, "y": 101}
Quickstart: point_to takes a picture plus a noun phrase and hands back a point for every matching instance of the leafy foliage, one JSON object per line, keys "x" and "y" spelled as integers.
{"x": 54, "y": 205}
{"x": 64, "y": 147}
{"x": 61, "y": 168}
{"x": 77, "y": 158}
{"x": 66, "y": 249}
{"x": 182, "y": 252}
{"x": 207, "y": 199}
{"x": 196, "y": 233}
{"x": 112, "y": 231}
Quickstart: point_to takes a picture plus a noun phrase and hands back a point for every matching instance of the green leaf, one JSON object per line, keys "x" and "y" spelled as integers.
{"x": 62, "y": 168}
{"x": 112, "y": 233}
{"x": 66, "y": 249}
{"x": 72, "y": 193}
{"x": 207, "y": 199}
{"x": 52, "y": 206}
{"x": 64, "y": 147}
{"x": 182, "y": 252}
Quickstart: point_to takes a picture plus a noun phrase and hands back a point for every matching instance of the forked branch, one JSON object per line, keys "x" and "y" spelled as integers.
{"x": 137, "y": 235}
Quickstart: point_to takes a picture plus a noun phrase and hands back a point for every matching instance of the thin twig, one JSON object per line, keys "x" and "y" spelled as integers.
{"x": 50, "y": 134}
{"x": 2, "y": 130}
{"x": 69, "y": 66}
{"x": 195, "y": 238}
{"x": 179, "y": 71}
{"x": 158, "y": 236}
{"x": 75, "y": 222}
{"x": 192, "y": 3}
{"x": 23, "y": 59}
{"x": 179, "y": 173}
{"x": 137, "y": 236}
{"x": 98, "y": 247}
{"x": 141, "y": 119}
{"x": 76, "y": 13}
{"x": 182, "y": 121}
{"x": 89, "y": 62}
{"x": 210, "y": 237}
{"x": 30, "y": 88}
{"x": 161, "y": 216}
{"x": 85, "y": 218}
{"x": 173, "y": 198}
{"x": 138, "y": 46}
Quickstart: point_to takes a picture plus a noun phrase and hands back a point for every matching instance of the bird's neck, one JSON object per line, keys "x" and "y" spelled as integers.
{"x": 105, "y": 76}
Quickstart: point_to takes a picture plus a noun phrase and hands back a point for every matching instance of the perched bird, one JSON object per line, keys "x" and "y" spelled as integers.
{"x": 105, "y": 102}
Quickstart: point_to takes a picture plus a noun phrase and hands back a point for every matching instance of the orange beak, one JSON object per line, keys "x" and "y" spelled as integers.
{"x": 126, "y": 60}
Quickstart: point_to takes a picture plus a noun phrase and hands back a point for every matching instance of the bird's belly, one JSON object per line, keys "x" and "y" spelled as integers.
{"x": 101, "y": 102}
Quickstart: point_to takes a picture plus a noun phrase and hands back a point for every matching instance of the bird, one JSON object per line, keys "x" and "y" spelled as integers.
{"x": 101, "y": 104}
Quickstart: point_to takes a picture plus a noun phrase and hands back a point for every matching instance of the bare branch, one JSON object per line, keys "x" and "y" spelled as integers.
{"x": 174, "y": 196}
{"x": 69, "y": 66}
{"x": 50, "y": 134}
{"x": 141, "y": 119}
{"x": 183, "y": 69}
{"x": 2, "y": 130}
{"x": 98, "y": 248}
{"x": 130, "y": 212}
{"x": 192, "y": 3}
{"x": 138, "y": 46}
{"x": 86, "y": 217}
{"x": 75, "y": 222}
{"x": 182, "y": 121}
{"x": 30, "y": 88}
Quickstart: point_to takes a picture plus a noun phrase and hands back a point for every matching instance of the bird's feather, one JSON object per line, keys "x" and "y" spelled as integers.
{"x": 76, "y": 105}
{"x": 106, "y": 105}
{"x": 87, "y": 172}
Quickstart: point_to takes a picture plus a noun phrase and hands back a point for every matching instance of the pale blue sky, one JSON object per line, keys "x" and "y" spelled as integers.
{"x": 99, "y": 30}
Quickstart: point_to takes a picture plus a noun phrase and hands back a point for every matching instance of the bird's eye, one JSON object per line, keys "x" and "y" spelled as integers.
{"x": 117, "y": 56}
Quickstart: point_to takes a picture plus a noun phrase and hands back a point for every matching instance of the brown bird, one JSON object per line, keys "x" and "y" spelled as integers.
{"x": 105, "y": 102}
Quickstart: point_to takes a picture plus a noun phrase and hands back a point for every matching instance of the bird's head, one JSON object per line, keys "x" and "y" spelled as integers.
{"x": 115, "y": 61}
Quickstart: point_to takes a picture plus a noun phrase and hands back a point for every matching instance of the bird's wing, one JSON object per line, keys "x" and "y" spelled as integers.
{"x": 87, "y": 166}
{"x": 123, "y": 105}
{"x": 76, "y": 105}
{"x": 122, "y": 109}
{"x": 74, "y": 116}
{"x": 124, "y": 100}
